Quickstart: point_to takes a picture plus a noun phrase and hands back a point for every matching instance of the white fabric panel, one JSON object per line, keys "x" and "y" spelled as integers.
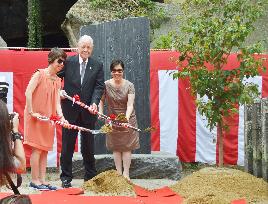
{"x": 205, "y": 140}
{"x": 255, "y": 80}
{"x": 168, "y": 112}
{"x": 241, "y": 140}
{"x": 52, "y": 155}
{"x": 8, "y": 77}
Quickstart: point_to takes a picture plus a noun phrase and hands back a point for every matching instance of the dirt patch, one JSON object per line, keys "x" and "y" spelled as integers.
{"x": 109, "y": 183}
{"x": 220, "y": 186}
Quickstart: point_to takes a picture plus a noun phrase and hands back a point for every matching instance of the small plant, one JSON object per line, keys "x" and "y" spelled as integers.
{"x": 164, "y": 41}
{"x": 34, "y": 24}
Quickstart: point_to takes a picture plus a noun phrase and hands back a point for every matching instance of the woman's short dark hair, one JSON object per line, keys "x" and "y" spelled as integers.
{"x": 116, "y": 62}
{"x": 6, "y": 155}
{"x": 56, "y": 53}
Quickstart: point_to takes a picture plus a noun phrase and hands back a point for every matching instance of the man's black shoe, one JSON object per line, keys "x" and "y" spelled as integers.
{"x": 66, "y": 184}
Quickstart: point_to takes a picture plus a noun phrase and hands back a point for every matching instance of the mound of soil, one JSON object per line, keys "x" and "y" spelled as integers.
{"x": 110, "y": 183}
{"x": 220, "y": 186}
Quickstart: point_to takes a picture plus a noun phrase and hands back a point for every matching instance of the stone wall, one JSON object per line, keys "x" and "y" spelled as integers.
{"x": 81, "y": 14}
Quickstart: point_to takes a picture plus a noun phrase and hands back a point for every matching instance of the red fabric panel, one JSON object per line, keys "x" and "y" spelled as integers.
{"x": 232, "y": 62}
{"x": 230, "y": 138}
{"x": 159, "y": 60}
{"x": 265, "y": 80}
{"x": 230, "y": 141}
{"x": 265, "y": 86}
{"x": 154, "y": 102}
{"x": 186, "y": 123}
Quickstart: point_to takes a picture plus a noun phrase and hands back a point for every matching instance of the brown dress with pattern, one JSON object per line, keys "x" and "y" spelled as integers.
{"x": 40, "y": 134}
{"x": 121, "y": 139}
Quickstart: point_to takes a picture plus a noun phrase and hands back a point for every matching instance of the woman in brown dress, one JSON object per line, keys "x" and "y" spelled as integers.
{"x": 120, "y": 95}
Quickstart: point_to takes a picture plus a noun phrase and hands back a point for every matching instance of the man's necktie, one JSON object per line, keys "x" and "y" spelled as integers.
{"x": 83, "y": 71}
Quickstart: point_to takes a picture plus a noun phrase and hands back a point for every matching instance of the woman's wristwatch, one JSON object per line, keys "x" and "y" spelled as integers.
{"x": 16, "y": 136}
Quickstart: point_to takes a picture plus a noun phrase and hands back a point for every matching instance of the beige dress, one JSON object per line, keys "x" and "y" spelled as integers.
{"x": 121, "y": 139}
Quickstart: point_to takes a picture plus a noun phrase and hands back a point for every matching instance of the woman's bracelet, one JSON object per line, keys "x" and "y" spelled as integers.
{"x": 16, "y": 136}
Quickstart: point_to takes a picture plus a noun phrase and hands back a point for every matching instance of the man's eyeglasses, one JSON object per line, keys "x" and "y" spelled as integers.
{"x": 117, "y": 70}
{"x": 60, "y": 61}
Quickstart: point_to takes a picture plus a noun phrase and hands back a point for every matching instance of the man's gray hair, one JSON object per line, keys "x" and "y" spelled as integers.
{"x": 85, "y": 38}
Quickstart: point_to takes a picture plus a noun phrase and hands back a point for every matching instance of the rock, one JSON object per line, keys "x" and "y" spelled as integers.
{"x": 2, "y": 42}
{"x": 157, "y": 165}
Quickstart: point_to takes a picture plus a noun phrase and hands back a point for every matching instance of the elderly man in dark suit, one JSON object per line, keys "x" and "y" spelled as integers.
{"x": 83, "y": 76}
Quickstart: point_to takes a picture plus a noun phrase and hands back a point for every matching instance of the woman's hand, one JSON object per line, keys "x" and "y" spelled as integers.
{"x": 63, "y": 94}
{"x": 93, "y": 108}
{"x": 63, "y": 120}
{"x": 66, "y": 123}
{"x": 15, "y": 122}
{"x": 36, "y": 115}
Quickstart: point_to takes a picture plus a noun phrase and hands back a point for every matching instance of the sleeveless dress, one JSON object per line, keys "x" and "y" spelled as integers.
{"x": 40, "y": 134}
{"x": 121, "y": 139}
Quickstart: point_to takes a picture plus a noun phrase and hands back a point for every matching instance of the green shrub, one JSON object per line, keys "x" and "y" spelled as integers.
{"x": 34, "y": 24}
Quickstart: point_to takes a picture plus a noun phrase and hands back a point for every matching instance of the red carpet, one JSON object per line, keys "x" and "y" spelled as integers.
{"x": 59, "y": 198}
{"x": 70, "y": 196}
{"x": 158, "y": 196}
{"x": 240, "y": 201}
{"x": 66, "y": 191}
{"x": 2, "y": 195}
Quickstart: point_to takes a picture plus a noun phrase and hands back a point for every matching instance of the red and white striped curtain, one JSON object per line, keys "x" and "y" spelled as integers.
{"x": 181, "y": 130}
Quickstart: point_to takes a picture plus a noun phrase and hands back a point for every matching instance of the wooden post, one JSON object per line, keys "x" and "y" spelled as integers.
{"x": 256, "y": 139}
{"x": 265, "y": 139}
{"x": 221, "y": 160}
{"x": 248, "y": 139}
